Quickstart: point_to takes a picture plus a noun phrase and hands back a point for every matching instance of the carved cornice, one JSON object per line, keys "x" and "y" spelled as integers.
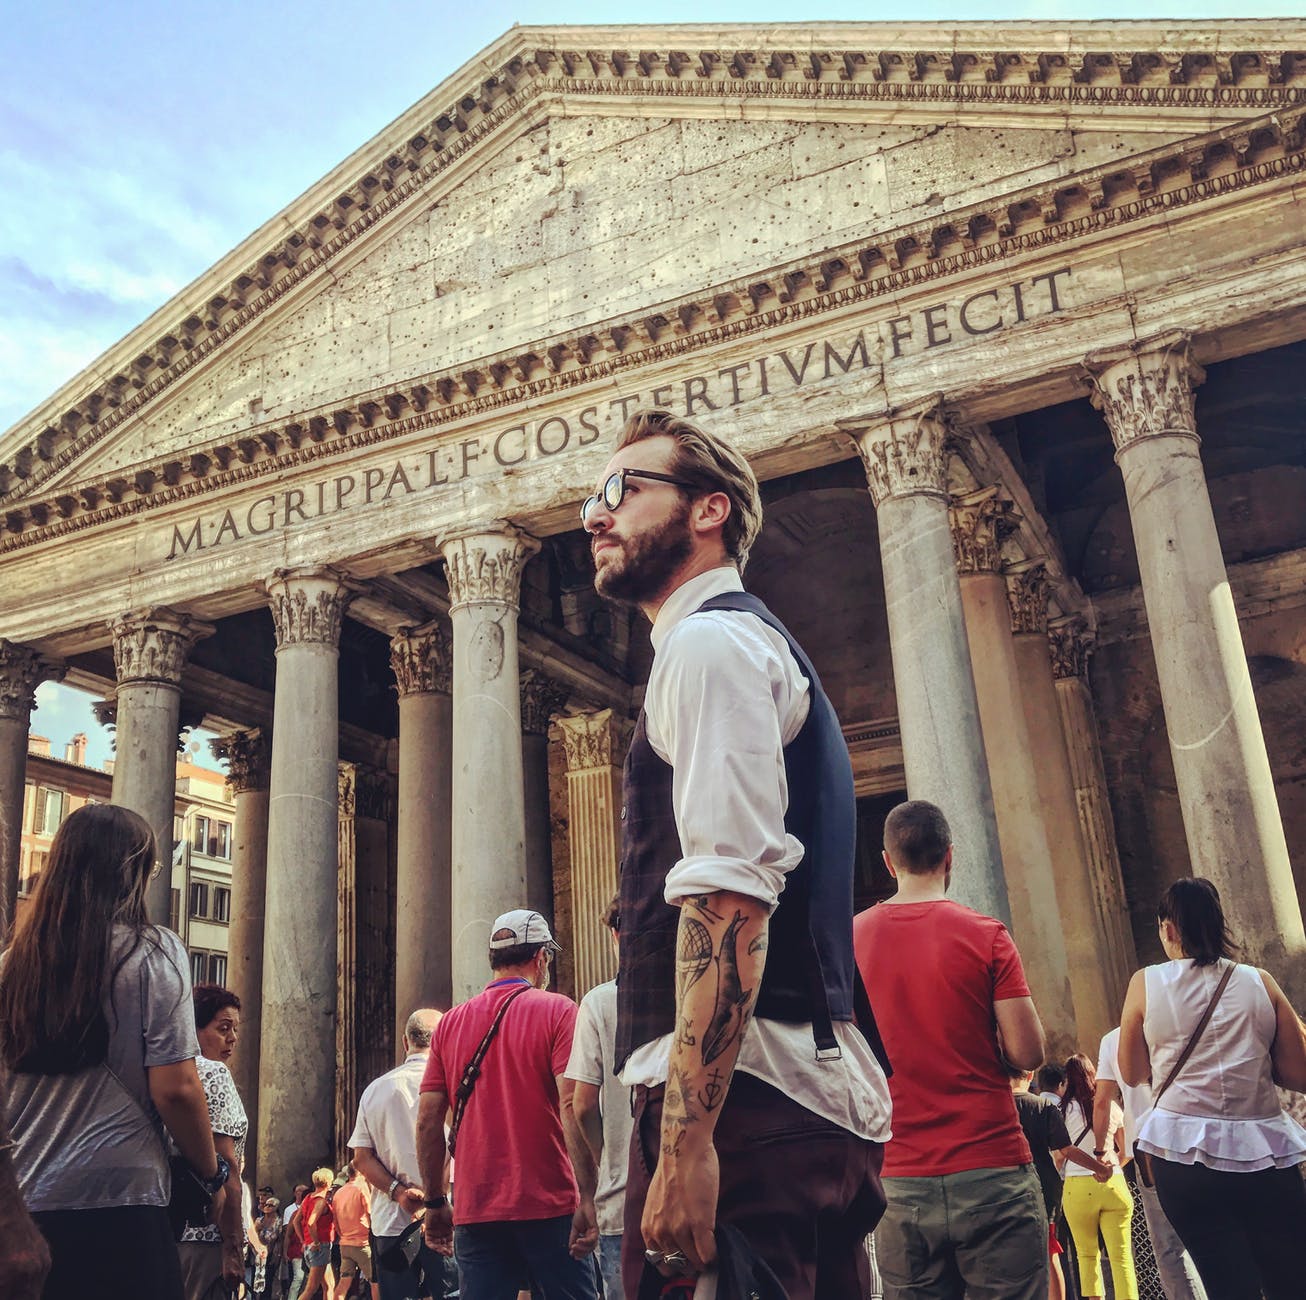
{"x": 151, "y": 645}
{"x": 588, "y": 740}
{"x": 541, "y": 698}
{"x": 248, "y": 756}
{"x": 980, "y": 522}
{"x": 484, "y": 564}
{"x": 421, "y": 659}
{"x": 1145, "y": 388}
{"x": 307, "y": 606}
{"x": 1027, "y": 596}
{"x": 21, "y": 671}
{"x": 904, "y": 452}
{"x": 1163, "y": 180}
{"x": 1071, "y": 643}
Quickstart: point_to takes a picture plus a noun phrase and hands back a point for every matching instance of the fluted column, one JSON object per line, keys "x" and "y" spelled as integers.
{"x": 541, "y": 698}
{"x": 484, "y": 566}
{"x": 1069, "y": 646}
{"x": 248, "y": 757}
{"x": 942, "y": 740}
{"x": 591, "y": 741}
{"x": 149, "y": 652}
{"x": 296, "y": 1078}
{"x": 421, "y": 661}
{"x": 21, "y": 672}
{"x": 1226, "y": 790}
{"x": 979, "y": 523}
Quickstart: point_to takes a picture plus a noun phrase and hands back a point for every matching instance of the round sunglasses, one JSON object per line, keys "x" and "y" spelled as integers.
{"x": 614, "y": 490}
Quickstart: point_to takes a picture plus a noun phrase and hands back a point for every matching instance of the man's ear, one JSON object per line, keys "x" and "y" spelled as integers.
{"x": 710, "y": 512}
{"x": 888, "y": 863}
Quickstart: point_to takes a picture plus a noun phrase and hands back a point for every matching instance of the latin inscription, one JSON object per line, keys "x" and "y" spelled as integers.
{"x": 532, "y": 441}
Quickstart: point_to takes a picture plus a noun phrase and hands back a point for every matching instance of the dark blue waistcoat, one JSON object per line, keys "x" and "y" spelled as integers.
{"x": 810, "y": 974}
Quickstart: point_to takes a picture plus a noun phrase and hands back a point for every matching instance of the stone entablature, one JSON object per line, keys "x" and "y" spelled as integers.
{"x": 1031, "y": 218}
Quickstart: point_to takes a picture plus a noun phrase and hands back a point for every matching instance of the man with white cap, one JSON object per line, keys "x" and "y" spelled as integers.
{"x": 524, "y": 1214}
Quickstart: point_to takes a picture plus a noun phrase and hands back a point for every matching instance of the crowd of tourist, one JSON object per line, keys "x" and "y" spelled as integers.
{"x": 774, "y": 1100}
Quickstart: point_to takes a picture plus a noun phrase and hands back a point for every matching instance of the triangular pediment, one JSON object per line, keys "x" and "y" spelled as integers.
{"x": 613, "y": 175}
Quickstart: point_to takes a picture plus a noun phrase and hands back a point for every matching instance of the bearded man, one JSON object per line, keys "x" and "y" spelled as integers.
{"x": 742, "y": 1025}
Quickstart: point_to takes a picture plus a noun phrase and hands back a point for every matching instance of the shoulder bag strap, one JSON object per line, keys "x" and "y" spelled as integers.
{"x": 1197, "y": 1033}
{"x": 472, "y": 1070}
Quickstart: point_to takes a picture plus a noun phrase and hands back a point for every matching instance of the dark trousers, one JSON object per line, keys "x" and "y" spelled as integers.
{"x": 1243, "y": 1231}
{"x": 802, "y": 1191}
{"x": 496, "y": 1260}
{"x": 125, "y": 1252}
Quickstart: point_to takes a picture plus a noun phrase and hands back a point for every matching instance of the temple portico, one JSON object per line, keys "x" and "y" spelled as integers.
{"x": 968, "y": 335}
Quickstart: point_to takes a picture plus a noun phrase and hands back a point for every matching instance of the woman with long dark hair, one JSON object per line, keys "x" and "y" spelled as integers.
{"x": 1090, "y": 1203}
{"x": 1223, "y": 1154}
{"x": 97, "y": 1047}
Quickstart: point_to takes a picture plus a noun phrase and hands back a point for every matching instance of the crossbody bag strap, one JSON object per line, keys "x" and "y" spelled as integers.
{"x": 472, "y": 1070}
{"x": 1197, "y": 1033}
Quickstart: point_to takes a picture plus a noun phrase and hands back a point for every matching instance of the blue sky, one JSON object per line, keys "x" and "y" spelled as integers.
{"x": 141, "y": 141}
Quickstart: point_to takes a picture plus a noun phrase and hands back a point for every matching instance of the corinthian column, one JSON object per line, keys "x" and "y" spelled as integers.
{"x": 149, "y": 651}
{"x": 594, "y": 837}
{"x": 296, "y": 1081}
{"x": 1226, "y": 790}
{"x": 420, "y": 659}
{"x": 938, "y": 715}
{"x": 21, "y": 672}
{"x": 484, "y": 567}
{"x": 541, "y": 698}
{"x": 248, "y": 756}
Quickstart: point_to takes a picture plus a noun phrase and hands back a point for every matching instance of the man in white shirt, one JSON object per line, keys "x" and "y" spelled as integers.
{"x": 1178, "y": 1273}
{"x": 738, "y": 836}
{"x": 384, "y": 1145}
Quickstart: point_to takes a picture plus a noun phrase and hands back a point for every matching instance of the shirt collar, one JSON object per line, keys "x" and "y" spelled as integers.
{"x": 689, "y": 596}
{"x": 419, "y": 1055}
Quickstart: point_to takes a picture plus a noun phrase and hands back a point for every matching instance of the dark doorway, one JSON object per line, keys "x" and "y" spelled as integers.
{"x": 872, "y": 881}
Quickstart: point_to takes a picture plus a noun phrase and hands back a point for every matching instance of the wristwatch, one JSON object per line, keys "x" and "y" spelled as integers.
{"x": 436, "y": 1202}
{"x": 399, "y": 1181}
{"x": 212, "y": 1186}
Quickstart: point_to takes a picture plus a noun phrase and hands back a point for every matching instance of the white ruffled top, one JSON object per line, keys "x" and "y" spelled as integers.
{"x": 1222, "y": 1110}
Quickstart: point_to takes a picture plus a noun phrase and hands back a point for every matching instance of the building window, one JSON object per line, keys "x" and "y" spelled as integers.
{"x": 174, "y": 911}
{"x": 199, "y": 967}
{"x": 223, "y": 846}
{"x": 200, "y": 840}
{"x": 199, "y": 899}
{"x": 29, "y": 871}
{"x": 50, "y": 806}
{"x": 221, "y": 903}
{"x": 217, "y": 968}
{"x": 208, "y": 967}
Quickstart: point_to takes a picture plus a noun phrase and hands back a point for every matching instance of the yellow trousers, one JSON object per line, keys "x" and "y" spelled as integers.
{"x": 1092, "y": 1207}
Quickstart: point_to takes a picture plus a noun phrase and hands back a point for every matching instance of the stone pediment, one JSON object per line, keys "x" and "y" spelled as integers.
{"x": 865, "y": 157}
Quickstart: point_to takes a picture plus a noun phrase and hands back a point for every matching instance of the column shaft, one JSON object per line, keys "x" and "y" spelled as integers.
{"x": 1226, "y": 789}
{"x": 296, "y": 1079}
{"x": 489, "y": 813}
{"x": 541, "y": 698}
{"x": 423, "y": 916}
{"x": 938, "y": 716}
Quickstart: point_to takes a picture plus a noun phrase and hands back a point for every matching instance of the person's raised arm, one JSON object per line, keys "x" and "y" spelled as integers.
{"x": 432, "y": 1153}
{"x": 1134, "y": 1059}
{"x": 1020, "y": 1032}
{"x": 24, "y": 1256}
{"x": 720, "y": 957}
{"x": 584, "y": 1224}
{"x": 1288, "y": 1051}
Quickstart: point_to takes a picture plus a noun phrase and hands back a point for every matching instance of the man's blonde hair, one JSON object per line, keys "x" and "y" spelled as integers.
{"x": 323, "y": 1177}
{"x": 709, "y": 465}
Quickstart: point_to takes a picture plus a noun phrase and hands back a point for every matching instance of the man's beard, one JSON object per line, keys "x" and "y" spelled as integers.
{"x": 639, "y": 570}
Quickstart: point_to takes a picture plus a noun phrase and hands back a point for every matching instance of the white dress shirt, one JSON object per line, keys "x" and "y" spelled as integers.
{"x": 387, "y": 1122}
{"x": 724, "y": 697}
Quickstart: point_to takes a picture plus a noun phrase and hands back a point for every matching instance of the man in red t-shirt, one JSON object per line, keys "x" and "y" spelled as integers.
{"x": 965, "y": 1213}
{"x": 523, "y": 1213}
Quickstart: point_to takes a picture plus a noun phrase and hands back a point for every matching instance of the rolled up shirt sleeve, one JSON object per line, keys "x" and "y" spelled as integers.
{"x": 720, "y": 707}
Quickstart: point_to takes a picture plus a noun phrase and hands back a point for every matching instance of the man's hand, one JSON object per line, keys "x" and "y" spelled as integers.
{"x": 437, "y": 1230}
{"x": 409, "y": 1200}
{"x": 584, "y": 1230}
{"x": 680, "y": 1212}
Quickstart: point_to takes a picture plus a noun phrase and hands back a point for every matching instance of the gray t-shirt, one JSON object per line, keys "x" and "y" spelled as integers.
{"x": 93, "y": 1139}
{"x": 593, "y": 1046}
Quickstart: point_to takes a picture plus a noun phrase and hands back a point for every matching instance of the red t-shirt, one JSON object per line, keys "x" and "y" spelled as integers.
{"x": 318, "y": 1232}
{"x": 512, "y": 1160}
{"x": 933, "y": 972}
{"x": 350, "y": 1207}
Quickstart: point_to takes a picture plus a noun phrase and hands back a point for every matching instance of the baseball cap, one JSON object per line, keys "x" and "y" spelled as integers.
{"x": 519, "y": 927}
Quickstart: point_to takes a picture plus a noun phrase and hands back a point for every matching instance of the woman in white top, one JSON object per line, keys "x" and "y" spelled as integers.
{"x": 1224, "y": 1155}
{"x": 1093, "y": 1203}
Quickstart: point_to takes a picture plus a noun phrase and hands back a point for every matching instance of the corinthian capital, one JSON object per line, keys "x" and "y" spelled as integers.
{"x": 484, "y": 564}
{"x": 589, "y": 739}
{"x": 307, "y": 606}
{"x": 21, "y": 672}
{"x": 541, "y": 698}
{"x": 151, "y": 645}
{"x": 1027, "y": 595}
{"x": 905, "y": 451}
{"x": 421, "y": 659}
{"x": 249, "y": 759}
{"x": 1145, "y": 389}
{"x": 980, "y": 522}
{"x": 1072, "y": 644}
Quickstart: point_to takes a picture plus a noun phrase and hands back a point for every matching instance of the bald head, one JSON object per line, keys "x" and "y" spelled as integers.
{"x": 421, "y": 1025}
